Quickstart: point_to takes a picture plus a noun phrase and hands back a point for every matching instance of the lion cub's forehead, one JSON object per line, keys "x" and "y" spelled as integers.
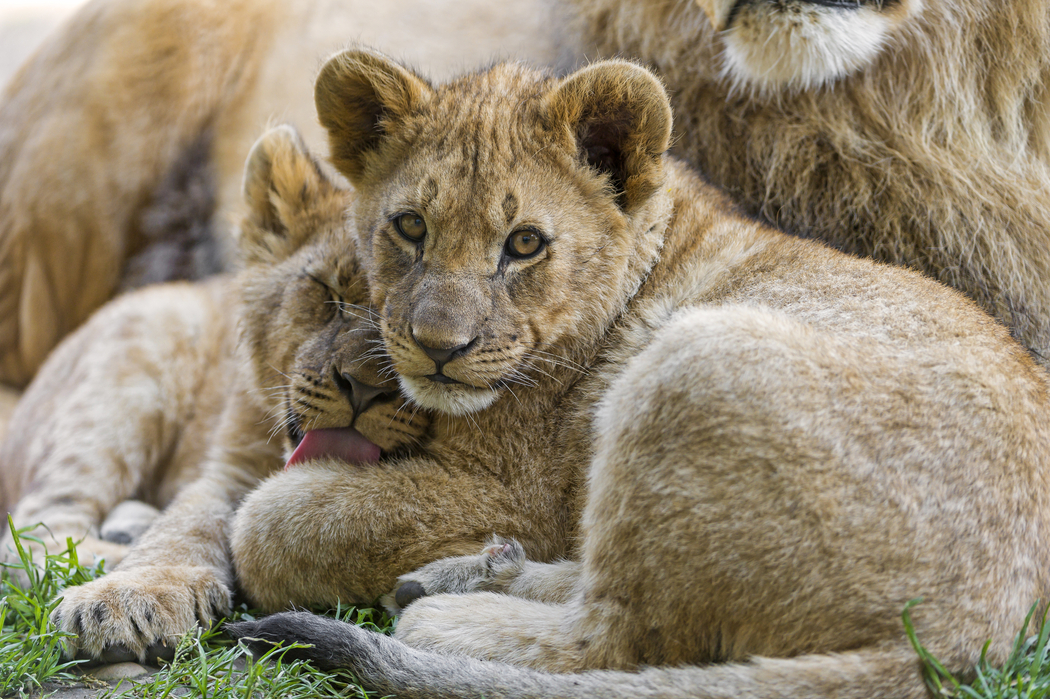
{"x": 331, "y": 258}
{"x": 494, "y": 118}
{"x": 482, "y": 149}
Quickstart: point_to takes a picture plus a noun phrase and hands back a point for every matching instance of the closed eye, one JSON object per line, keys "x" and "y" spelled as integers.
{"x": 334, "y": 297}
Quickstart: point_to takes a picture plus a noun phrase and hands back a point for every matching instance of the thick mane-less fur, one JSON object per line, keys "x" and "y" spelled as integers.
{"x": 933, "y": 152}
{"x": 783, "y": 444}
{"x": 187, "y": 396}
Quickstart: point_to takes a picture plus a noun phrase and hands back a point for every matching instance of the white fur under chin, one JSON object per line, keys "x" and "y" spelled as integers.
{"x": 453, "y": 399}
{"x": 804, "y": 46}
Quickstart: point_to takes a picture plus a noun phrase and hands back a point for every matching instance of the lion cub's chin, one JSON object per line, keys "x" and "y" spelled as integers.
{"x": 453, "y": 399}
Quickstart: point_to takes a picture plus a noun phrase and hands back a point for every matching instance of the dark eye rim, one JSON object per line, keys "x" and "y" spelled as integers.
{"x": 334, "y": 297}
{"x": 396, "y": 221}
{"x": 510, "y": 252}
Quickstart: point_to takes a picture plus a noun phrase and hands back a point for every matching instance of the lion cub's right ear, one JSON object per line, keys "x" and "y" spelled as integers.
{"x": 289, "y": 198}
{"x": 360, "y": 98}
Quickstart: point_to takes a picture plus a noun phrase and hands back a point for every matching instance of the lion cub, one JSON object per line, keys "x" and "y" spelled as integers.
{"x": 785, "y": 444}
{"x": 187, "y": 396}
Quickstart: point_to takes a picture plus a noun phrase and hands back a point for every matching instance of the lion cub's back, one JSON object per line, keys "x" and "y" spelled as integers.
{"x": 855, "y": 412}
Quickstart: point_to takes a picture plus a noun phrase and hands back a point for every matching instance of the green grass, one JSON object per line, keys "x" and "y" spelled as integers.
{"x": 209, "y": 665}
{"x": 31, "y": 651}
{"x": 206, "y": 664}
{"x": 1024, "y": 675}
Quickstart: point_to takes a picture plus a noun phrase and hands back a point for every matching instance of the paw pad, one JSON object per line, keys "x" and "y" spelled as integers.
{"x": 497, "y": 550}
{"x": 409, "y": 593}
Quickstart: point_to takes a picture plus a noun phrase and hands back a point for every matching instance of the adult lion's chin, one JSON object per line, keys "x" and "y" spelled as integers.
{"x": 449, "y": 398}
{"x": 802, "y": 44}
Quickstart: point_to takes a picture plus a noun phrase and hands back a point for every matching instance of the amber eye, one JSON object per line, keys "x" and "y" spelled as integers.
{"x": 411, "y": 226}
{"x": 524, "y": 243}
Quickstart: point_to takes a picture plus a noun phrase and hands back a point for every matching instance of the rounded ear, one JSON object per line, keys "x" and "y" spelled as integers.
{"x": 620, "y": 117}
{"x": 360, "y": 97}
{"x": 288, "y": 196}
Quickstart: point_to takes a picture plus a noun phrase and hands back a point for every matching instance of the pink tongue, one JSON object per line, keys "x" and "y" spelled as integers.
{"x": 344, "y": 443}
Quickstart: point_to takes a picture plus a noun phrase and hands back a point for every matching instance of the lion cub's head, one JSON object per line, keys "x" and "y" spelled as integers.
{"x": 502, "y": 217}
{"x": 318, "y": 358}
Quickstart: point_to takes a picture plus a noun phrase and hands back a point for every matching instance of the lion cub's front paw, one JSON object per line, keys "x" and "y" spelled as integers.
{"x": 493, "y": 569}
{"x": 129, "y": 611}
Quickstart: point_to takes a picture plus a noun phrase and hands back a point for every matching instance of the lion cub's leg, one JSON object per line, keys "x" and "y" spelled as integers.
{"x": 500, "y": 567}
{"x": 179, "y": 573}
{"x": 128, "y": 521}
{"x": 326, "y": 531}
{"x": 120, "y": 410}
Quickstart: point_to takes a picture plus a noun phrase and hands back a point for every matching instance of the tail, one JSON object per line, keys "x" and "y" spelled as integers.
{"x": 390, "y": 667}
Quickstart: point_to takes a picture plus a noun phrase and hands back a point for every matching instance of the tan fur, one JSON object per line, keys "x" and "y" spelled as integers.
{"x": 786, "y": 444}
{"x": 95, "y": 123}
{"x": 932, "y": 149}
{"x": 182, "y": 397}
{"x": 912, "y": 131}
{"x": 8, "y": 398}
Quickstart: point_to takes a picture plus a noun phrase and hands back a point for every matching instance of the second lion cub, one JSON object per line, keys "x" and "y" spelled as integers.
{"x": 789, "y": 444}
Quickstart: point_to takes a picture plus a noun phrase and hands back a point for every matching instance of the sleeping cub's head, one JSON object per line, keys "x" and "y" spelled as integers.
{"x": 313, "y": 339}
{"x": 502, "y": 218}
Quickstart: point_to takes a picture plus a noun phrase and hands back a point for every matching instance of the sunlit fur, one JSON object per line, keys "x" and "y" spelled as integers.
{"x": 183, "y": 395}
{"x": 796, "y": 45}
{"x": 776, "y": 446}
{"x": 932, "y": 152}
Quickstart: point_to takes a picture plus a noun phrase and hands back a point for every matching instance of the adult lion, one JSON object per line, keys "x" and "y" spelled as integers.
{"x": 913, "y": 131}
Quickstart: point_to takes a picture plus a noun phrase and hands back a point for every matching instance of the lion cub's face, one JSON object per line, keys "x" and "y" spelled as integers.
{"x": 314, "y": 338}
{"x": 498, "y": 215}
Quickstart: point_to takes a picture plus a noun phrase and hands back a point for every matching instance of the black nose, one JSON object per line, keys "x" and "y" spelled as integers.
{"x": 444, "y": 355}
{"x": 361, "y": 395}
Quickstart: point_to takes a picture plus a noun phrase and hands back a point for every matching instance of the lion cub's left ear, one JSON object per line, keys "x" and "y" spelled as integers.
{"x": 620, "y": 118}
{"x": 289, "y": 198}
